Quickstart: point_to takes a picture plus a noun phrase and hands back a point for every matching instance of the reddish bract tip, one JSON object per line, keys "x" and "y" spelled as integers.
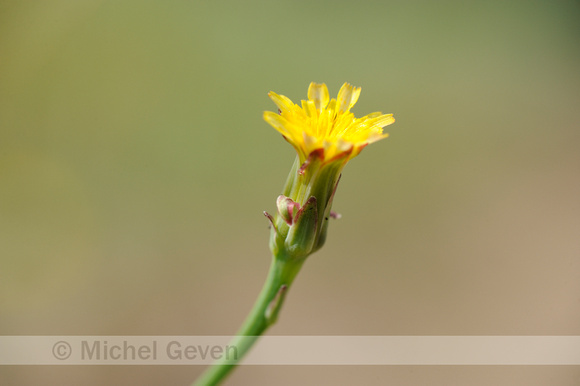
{"x": 316, "y": 153}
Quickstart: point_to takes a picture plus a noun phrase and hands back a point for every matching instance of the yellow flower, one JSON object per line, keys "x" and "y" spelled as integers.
{"x": 324, "y": 128}
{"x": 326, "y": 135}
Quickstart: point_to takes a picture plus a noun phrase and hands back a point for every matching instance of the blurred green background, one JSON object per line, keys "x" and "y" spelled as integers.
{"x": 135, "y": 164}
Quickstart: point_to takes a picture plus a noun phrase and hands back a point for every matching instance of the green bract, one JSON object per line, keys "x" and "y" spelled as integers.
{"x": 299, "y": 228}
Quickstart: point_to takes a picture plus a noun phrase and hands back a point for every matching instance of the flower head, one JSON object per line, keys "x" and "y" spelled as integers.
{"x": 326, "y": 135}
{"x": 326, "y": 128}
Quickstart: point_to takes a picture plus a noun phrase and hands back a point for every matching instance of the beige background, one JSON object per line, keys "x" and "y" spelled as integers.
{"x": 134, "y": 167}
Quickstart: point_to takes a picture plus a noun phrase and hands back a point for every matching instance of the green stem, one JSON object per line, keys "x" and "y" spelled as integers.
{"x": 263, "y": 315}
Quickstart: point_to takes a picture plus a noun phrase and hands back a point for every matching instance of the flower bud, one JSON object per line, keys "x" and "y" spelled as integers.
{"x": 287, "y": 208}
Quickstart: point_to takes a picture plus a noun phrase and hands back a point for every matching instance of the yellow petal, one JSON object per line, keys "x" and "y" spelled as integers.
{"x": 277, "y": 122}
{"x": 309, "y": 108}
{"x": 283, "y": 103}
{"x": 377, "y": 137}
{"x": 382, "y": 121}
{"x": 318, "y": 93}
{"x": 347, "y": 96}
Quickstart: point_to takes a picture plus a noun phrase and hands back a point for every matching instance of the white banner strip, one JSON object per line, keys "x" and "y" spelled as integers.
{"x": 291, "y": 350}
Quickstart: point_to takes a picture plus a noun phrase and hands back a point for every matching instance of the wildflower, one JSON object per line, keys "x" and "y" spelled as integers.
{"x": 326, "y": 135}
